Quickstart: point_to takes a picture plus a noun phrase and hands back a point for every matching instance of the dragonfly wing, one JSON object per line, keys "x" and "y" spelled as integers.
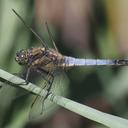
{"x": 11, "y": 90}
{"x": 42, "y": 41}
{"x": 5, "y": 100}
{"x": 41, "y": 107}
{"x": 60, "y": 84}
{"x": 51, "y": 37}
{"x": 9, "y": 99}
{"x": 37, "y": 106}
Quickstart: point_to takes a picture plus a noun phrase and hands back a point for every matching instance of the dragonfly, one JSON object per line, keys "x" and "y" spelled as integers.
{"x": 46, "y": 61}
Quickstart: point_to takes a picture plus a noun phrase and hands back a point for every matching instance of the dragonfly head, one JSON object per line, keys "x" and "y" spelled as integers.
{"x": 22, "y": 57}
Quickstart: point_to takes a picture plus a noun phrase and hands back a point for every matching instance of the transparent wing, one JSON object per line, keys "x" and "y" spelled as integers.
{"x": 10, "y": 101}
{"x": 29, "y": 28}
{"x": 42, "y": 108}
{"x": 11, "y": 91}
{"x": 51, "y": 37}
{"x": 9, "y": 95}
{"x": 6, "y": 88}
{"x": 39, "y": 101}
{"x": 5, "y": 101}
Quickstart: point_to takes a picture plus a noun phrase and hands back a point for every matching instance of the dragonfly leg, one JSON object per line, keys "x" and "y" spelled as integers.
{"x": 43, "y": 74}
{"x": 34, "y": 101}
{"x": 48, "y": 89}
{"x": 27, "y": 76}
{"x": 48, "y": 77}
{"x": 49, "y": 81}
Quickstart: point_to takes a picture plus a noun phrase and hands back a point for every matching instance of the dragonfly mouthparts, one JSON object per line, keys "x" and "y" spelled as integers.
{"x": 22, "y": 57}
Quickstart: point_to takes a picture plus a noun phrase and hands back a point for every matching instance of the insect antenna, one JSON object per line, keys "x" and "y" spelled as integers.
{"x": 51, "y": 37}
{"x": 29, "y": 28}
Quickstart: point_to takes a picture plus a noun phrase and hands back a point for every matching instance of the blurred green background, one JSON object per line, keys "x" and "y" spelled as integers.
{"x": 84, "y": 29}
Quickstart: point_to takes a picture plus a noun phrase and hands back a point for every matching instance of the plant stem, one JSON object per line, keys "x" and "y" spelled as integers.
{"x": 83, "y": 110}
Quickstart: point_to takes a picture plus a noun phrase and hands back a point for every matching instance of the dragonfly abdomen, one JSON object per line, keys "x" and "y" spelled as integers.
{"x": 71, "y": 61}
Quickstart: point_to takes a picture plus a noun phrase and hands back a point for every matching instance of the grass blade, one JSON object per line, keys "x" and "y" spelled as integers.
{"x": 83, "y": 110}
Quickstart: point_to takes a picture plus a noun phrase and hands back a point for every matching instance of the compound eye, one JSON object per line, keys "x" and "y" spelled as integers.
{"x": 17, "y": 54}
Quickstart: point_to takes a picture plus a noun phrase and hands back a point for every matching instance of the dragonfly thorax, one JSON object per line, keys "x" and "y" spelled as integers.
{"x": 22, "y": 57}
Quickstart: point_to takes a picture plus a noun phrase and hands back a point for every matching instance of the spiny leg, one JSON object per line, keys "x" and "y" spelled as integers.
{"x": 45, "y": 84}
{"x": 48, "y": 89}
{"x": 27, "y": 75}
{"x": 43, "y": 73}
{"x": 44, "y": 98}
{"x": 46, "y": 79}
